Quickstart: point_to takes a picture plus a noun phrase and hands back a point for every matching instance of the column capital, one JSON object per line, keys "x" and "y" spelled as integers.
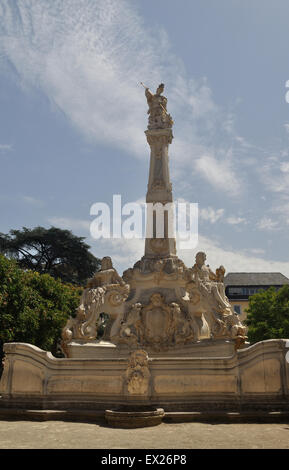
{"x": 159, "y": 135}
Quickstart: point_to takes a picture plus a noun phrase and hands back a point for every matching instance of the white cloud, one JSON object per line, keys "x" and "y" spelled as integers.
{"x": 124, "y": 253}
{"x": 220, "y": 173}
{"x": 275, "y": 174}
{"x": 211, "y": 215}
{"x": 89, "y": 57}
{"x": 4, "y": 148}
{"x": 282, "y": 209}
{"x": 266, "y": 223}
{"x": 235, "y": 220}
{"x": 284, "y": 167}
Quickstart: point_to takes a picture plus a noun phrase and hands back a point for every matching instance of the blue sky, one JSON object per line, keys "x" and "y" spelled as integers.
{"x": 73, "y": 115}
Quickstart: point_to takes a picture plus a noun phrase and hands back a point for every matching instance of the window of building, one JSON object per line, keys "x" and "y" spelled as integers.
{"x": 237, "y": 309}
{"x": 235, "y": 290}
{"x": 243, "y": 290}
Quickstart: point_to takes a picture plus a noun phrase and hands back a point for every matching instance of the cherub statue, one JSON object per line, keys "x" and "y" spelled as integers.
{"x": 220, "y": 274}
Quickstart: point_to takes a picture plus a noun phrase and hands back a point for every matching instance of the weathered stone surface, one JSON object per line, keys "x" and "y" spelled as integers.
{"x": 255, "y": 377}
{"x": 262, "y": 377}
{"x": 198, "y": 383}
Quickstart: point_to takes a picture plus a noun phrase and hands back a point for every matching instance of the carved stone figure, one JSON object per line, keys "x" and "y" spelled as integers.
{"x": 219, "y": 329}
{"x": 209, "y": 285}
{"x": 158, "y": 115}
{"x": 131, "y": 331}
{"x": 182, "y": 328}
{"x": 88, "y": 312}
{"x": 236, "y": 330}
{"x": 105, "y": 290}
{"x": 208, "y": 304}
{"x": 106, "y": 276}
{"x": 137, "y": 375}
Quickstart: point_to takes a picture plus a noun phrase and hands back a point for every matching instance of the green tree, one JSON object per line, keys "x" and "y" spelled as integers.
{"x": 268, "y": 315}
{"x": 33, "y": 307}
{"x": 51, "y": 251}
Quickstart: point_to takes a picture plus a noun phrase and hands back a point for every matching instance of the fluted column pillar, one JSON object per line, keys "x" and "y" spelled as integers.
{"x": 160, "y": 217}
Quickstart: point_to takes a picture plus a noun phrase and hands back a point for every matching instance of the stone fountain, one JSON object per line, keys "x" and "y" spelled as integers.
{"x": 159, "y": 305}
{"x": 172, "y": 339}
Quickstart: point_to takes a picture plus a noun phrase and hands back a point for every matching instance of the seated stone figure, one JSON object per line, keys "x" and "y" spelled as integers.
{"x": 84, "y": 325}
{"x": 106, "y": 276}
{"x": 211, "y": 284}
{"x": 222, "y": 320}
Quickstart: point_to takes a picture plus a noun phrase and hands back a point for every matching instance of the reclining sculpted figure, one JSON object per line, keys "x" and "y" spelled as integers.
{"x": 207, "y": 296}
{"x": 105, "y": 290}
{"x": 106, "y": 276}
{"x": 211, "y": 285}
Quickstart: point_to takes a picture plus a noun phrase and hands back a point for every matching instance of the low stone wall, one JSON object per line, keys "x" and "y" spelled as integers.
{"x": 253, "y": 378}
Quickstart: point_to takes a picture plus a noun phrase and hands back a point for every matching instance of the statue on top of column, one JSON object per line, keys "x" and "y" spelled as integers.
{"x": 158, "y": 115}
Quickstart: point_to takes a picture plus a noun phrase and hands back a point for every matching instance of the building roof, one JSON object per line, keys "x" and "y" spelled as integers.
{"x": 255, "y": 279}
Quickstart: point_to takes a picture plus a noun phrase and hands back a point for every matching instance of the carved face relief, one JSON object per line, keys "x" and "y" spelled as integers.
{"x": 137, "y": 373}
{"x": 139, "y": 358}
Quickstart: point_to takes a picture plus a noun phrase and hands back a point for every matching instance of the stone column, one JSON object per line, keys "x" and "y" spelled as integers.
{"x": 160, "y": 240}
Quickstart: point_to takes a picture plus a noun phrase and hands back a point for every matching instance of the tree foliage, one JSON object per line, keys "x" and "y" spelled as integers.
{"x": 51, "y": 251}
{"x": 268, "y": 314}
{"x": 33, "y": 307}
